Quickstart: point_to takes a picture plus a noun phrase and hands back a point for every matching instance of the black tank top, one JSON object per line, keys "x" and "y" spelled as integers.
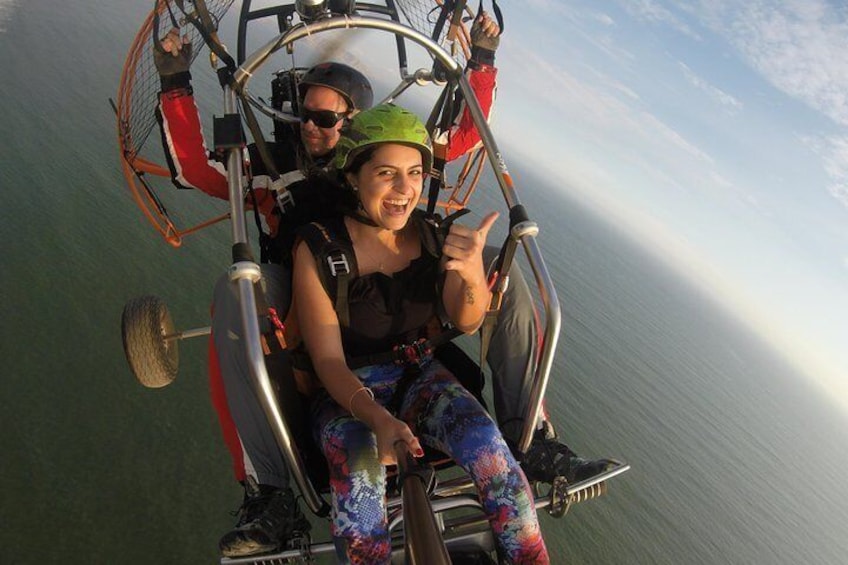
{"x": 387, "y": 310}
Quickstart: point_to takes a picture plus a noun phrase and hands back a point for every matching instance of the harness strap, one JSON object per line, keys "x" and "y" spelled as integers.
{"x": 419, "y": 352}
{"x": 340, "y": 268}
{"x": 271, "y": 327}
{"x": 336, "y": 262}
{"x": 414, "y": 357}
{"x": 446, "y": 105}
{"x": 410, "y": 375}
{"x": 498, "y": 15}
{"x": 336, "y": 259}
{"x": 499, "y": 279}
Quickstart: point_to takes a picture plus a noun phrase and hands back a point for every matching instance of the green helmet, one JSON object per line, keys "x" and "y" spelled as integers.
{"x": 385, "y": 123}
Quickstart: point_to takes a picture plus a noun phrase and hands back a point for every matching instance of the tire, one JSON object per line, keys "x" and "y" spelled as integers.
{"x": 144, "y": 325}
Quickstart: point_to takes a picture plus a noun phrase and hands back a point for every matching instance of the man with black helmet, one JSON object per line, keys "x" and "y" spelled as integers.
{"x": 328, "y": 93}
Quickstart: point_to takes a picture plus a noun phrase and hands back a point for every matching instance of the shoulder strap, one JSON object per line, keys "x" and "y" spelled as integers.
{"x": 426, "y": 225}
{"x": 336, "y": 261}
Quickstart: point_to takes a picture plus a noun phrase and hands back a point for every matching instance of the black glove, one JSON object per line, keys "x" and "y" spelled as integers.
{"x": 483, "y": 47}
{"x": 173, "y": 70}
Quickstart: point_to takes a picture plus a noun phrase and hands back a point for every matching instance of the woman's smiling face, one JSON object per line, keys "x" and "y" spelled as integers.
{"x": 389, "y": 184}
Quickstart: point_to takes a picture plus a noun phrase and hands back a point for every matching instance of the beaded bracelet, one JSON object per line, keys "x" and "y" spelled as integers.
{"x": 352, "y": 396}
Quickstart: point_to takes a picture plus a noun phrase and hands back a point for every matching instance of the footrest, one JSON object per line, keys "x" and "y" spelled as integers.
{"x": 563, "y": 494}
{"x": 298, "y": 550}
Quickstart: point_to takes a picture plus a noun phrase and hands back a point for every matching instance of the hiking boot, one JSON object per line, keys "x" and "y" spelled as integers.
{"x": 547, "y": 459}
{"x": 268, "y": 518}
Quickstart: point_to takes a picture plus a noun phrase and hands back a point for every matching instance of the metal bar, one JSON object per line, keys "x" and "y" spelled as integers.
{"x": 452, "y": 502}
{"x": 547, "y": 291}
{"x": 252, "y": 337}
{"x": 238, "y": 229}
{"x": 553, "y": 321}
{"x": 422, "y": 536}
{"x": 186, "y": 334}
{"x": 255, "y": 60}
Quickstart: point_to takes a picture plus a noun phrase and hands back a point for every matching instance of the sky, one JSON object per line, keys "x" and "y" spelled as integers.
{"x": 715, "y": 133}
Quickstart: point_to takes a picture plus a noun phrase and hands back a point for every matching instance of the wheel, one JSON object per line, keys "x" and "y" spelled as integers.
{"x": 144, "y": 325}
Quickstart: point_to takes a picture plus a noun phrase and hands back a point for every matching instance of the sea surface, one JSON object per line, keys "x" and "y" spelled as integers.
{"x": 736, "y": 459}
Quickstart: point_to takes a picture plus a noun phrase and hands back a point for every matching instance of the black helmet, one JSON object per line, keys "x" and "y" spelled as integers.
{"x": 347, "y": 81}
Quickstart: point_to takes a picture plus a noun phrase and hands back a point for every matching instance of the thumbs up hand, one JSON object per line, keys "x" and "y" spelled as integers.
{"x": 463, "y": 250}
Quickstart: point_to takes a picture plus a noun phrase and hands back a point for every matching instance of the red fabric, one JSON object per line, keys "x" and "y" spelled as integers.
{"x": 219, "y": 402}
{"x": 463, "y": 136}
{"x": 189, "y": 159}
{"x": 190, "y": 163}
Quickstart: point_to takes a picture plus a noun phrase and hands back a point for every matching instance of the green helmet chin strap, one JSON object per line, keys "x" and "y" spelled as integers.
{"x": 381, "y": 124}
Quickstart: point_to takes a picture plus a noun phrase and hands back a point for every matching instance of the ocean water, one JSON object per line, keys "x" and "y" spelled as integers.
{"x": 735, "y": 458}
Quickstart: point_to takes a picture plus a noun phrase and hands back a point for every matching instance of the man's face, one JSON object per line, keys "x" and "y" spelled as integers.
{"x": 319, "y": 141}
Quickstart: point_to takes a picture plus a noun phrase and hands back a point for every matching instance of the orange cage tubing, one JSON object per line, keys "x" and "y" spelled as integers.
{"x": 146, "y": 204}
{"x": 465, "y": 42}
{"x": 456, "y": 200}
{"x": 160, "y": 220}
{"x": 128, "y": 80}
{"x": 203, "y": 225}
{"x": 472, "y": 186}
{"x": 145, "y": 166}
{"x": 130, "y": 162}
{"x": 464, "y": 38}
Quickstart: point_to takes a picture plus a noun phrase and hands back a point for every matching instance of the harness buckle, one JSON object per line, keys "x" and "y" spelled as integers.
{"x": 280, "y": 187}
{"x": 275, "y": 319}
{"x": 338, "y": 264}
{"x": 278, "y": 329}
{"x": 285, "y": 200}
{"x": 498, "y": 285}
{"x": 419, "y": 352}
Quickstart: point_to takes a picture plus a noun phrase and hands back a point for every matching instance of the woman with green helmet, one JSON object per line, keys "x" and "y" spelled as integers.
{"x": 398, "y": 284}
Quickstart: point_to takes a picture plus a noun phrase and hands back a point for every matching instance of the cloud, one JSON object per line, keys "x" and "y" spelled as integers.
{"x": 713, "y": 92}
{"x": 654, "y": 12}
{"x": 603, "y": 116}
{"x": 833, "y": 151}
{"x": 798, "y": 46}
{"x": 601, "y": 106}
{"x": 604, "y": 19}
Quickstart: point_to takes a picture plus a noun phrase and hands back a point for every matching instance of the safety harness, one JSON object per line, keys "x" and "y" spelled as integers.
{"x": 337, "y": 267}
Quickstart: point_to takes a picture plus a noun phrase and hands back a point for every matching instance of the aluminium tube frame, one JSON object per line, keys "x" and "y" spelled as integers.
{"x": 544, "y": 283}
{"x": 246, "y": 274}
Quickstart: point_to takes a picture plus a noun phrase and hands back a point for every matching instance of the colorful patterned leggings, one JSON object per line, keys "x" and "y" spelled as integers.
{"x": 445, "y": 416}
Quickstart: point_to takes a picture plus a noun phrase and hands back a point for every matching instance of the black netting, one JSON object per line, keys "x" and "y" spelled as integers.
{"x": 423, "y": 16}
{"x": 140, "y": 83}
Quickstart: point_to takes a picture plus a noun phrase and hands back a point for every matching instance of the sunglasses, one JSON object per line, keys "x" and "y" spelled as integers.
{"x": 321, "y": 118}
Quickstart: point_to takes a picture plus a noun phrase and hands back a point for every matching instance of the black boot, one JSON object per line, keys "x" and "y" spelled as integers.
{"x": 547, "y": 459}
{"x": 268, "y": 518}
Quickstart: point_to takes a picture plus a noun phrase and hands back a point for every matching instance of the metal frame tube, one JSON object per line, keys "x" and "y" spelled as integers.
{"x": 250, "y": 324}
{"x": 258, "y": 57}
{"x": 423, "y": 539}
